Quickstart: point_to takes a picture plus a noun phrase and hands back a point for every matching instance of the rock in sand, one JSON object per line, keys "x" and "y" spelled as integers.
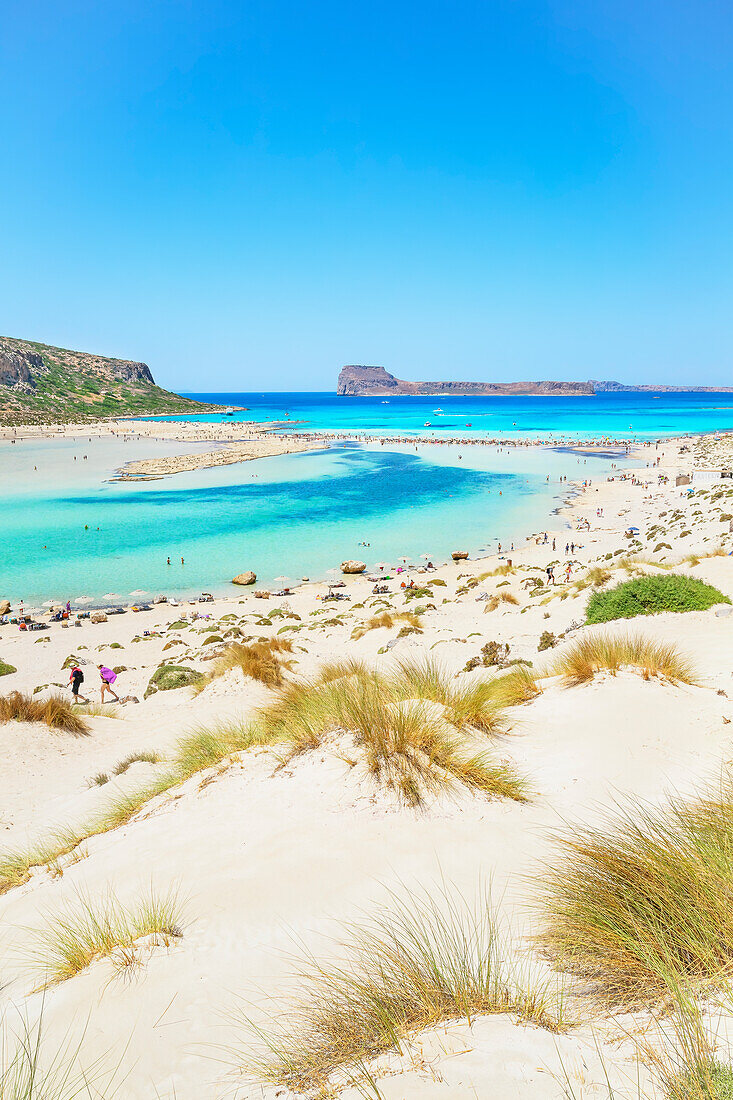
{"x": 352, "y": 566}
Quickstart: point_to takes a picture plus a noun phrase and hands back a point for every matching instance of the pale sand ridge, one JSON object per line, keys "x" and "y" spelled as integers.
{"x": 270, "y": 859}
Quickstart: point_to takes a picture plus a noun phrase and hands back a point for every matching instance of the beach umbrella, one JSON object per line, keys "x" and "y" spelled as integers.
{"x": 138, "y": 592}
{"x": 281, "y": 580}
{"x": 83, "y": 599}
{"x": 110, "y": 596}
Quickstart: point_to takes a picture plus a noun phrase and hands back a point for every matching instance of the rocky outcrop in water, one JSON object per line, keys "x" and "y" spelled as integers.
{"x": 366, "y": 381}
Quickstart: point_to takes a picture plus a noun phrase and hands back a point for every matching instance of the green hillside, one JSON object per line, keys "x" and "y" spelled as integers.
{"x": 41, "y": 384}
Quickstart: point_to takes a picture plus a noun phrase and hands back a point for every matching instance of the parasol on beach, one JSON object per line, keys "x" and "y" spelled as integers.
{"x": 110, "y": 596}
{"x": 138, "y": 592}
{"x": 83, "y": 599}
{"x": 282, "y": 580}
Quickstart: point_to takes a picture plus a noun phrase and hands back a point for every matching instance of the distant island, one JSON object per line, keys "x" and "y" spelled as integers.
{"x": 369, "y": 381}
{"x": 42, "y": 384}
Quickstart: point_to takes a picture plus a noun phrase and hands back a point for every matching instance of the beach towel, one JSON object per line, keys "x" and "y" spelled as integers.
{"x": 108, "y": 675}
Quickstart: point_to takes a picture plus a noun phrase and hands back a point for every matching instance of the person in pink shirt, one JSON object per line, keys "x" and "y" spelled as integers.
{"x": 108, "y": 677}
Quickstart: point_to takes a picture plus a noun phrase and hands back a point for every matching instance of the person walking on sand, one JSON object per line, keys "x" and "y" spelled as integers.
{"x": 76, "y": 679}
{"x": 108, "y": 677}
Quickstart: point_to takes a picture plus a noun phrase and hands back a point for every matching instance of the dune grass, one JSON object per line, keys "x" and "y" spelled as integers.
{"x": 98, "y": 710}
{"x": 144, "y": 757}
{"x": 511, "y": 689}
{"x": 469, "y": 704}
{"x": 427, "y": 957}
{"x": 409, "y": 746}
{"x": 650, "y": 595}
{"x": 202, "y": 748}
{"x": 261, "y": 660}
{"x": 687, "y": 1067}
{"x": 16, "y": 867}
{"x": 386, "y": 620}
{"x": 596, "y": 653}
{"x": 647, "y": 896}
{"x": 56, "y": 712}
{"x": 682, "y": 1060}
{"x": 207, "y": 746}
{"x": 29, "y": 1070}
{"x": 71, "y": 940}
{"x": 500, "y": 571}
{"x": 499, "y": 598}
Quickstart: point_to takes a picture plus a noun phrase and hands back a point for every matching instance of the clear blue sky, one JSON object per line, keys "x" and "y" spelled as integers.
{"x": 249, "y": 195}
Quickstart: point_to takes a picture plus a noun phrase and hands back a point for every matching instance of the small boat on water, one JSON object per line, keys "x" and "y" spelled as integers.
{"x": 437, "y": 411}
{"x": 229, "y": 412}
{"x": 427, "y": 424}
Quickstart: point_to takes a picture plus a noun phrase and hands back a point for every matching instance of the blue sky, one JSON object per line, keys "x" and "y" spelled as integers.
{"x": 249, "y": 195}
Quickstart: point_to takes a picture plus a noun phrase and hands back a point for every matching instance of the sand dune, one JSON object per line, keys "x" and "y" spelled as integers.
{"x": 271, "y": 855}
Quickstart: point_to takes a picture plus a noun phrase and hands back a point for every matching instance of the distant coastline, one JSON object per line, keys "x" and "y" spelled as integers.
{"x": 374, "y": 381}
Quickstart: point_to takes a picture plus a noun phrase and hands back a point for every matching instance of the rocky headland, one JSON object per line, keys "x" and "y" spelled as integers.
{"x": 373, "y": 381}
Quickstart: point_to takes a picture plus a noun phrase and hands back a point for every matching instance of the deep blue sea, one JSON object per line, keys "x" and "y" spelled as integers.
{"x": 607, "y": 415}
{"x": 69, "y": 530}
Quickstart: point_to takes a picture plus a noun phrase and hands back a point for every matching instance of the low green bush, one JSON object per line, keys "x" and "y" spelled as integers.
{"x": 650, "y": 596}
{"x": 168, "y": 677}
{"x": 6, "y": 669}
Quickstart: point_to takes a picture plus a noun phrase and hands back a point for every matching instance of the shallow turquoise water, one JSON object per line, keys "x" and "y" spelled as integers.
{"x": 67, "y": 531}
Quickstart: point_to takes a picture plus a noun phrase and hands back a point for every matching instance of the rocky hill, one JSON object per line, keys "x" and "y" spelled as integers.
{"x": 361, "y": 381}
{"x": 41, "y": 384}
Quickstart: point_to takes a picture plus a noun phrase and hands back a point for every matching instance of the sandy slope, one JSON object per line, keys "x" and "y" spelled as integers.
{"x": 267, "y": 859}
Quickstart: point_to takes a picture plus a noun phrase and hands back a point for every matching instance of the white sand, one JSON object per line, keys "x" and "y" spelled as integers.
{"x": 264, "y": 856}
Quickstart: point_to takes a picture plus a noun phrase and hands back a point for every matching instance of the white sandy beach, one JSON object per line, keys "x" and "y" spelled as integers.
{"x": 268, "y": 860}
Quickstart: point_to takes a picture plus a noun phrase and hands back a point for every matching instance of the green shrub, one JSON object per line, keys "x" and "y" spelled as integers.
{"x": 6, "y": 669}
{"x": 168, "y": 677}
{"x": 417, "y": 593}
{"x": 650, "y": 596}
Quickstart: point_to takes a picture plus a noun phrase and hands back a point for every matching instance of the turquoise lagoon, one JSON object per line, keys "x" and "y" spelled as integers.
{"x": 68, "y": 529}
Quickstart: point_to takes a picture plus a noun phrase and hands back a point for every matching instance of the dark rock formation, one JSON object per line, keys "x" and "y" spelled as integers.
{"x": 127, "y": 371}
{"x": 18, "y": 367}
{"x": 363, "y": 381}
